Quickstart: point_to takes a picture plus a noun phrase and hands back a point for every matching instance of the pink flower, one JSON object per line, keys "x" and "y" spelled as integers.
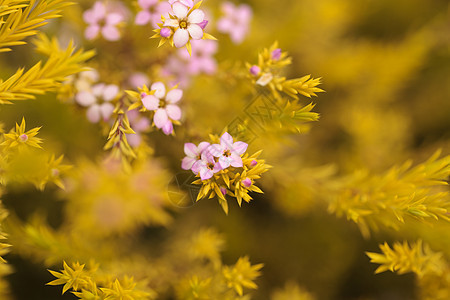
{"x": 164, "y": 106}
{"x": 207, "y": 166}
{"x": 186, "y": 24}
{"x": 151, "y": 12}
{"x": 254, "y": 70}
{"x": 235, "y": 22}
{"x": 229, "y": 153}
{"x": 188, "y": 3}
{"x": 193, "y": 156}
{"x": 93, "y": 100}
{"x": 276, "y": 54}
{"x": 247, "y": 182}
{"x": 202, "y": 58}
{"x": 100, "y": 21}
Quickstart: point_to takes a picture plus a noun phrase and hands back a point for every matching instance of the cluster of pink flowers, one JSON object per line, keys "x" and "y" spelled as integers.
{"x": 236, "y": 21}
{"x": 164, "y": 106}
{"x": 151, "y": 12}
{"x": 206, "y": 159}
{"x": 104, "y": 20}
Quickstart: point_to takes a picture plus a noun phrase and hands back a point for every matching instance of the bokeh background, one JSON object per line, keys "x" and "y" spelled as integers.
{"x": 385, "y": 67}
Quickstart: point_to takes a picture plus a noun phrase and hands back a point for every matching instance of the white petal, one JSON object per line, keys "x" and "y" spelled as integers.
{"x": 93, "y": 113}
{"x": 196, "y": 16}
{"x": 106, "y": 110}
{"x": 179, "y": 10}
{"x": 187, "y": 163}
{"x": 215, "y": 149}
{"x": 174, "y": 96}
{"x": 195, "y": 31}
{"x": 181, "y": 37}
{"x": 240, "y": 147}
{"x": 97, "y": 89}
{"x": 160, "y": 89}
{"x": 226, "y": 140}
{"x": 171, "y": 23}
{"x": 190, "y": 150}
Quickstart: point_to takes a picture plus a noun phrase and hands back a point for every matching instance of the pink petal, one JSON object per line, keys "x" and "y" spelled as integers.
{"x": 187, "y": 163}
{"x": 142, "y": 125}
{"x": 97, "y": 89}
{"x": 188, "y": 3}
{"x": 133, "y": 139}
{"x": 160, "y": 118}
{"x": 179, "y": 10}
{"x": 174, "y": 96}
{"x": 224, "y": 25}
{"x": 236, "y": 160}
{"x": 85, "y": 98}
{"x": 160, "y": 89}
{"x": 202, "y": 147}
{"x": 196, "y": 16}
{"x": 173, "y": 111}
{"x": 93, "y": 15}
{"x": 142, "y": 17}
{"x": 181, "y": 37}
{"x": 92, "y": 31}
{"x": 113, "y": 19}
{"x": 216, "y": 150}
{"x": 150, "y": 102}
{"x": 240, "y": 147}
{"x": 191, "y": 150}
{"x": 217, "y": 168}
{"x": 205, "y": 173}
{"x": 110, "y": 92}
{"x": 111, "y": 33}
{"x": 226, "y": 140}
{"x": 195, "y": 31}
{"x": 106, "y": 110}
{"x": 196, "y": 166}
{"x": 167, "y": 128}
{"x": 93, "y": 113}
{"x": 224, "y": 162}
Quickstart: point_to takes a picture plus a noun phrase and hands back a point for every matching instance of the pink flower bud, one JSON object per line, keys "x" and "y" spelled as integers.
{"x": 203, "y": 24}
{"x": 165, "y": 32}
{"x": 223, "y": 190}
{"x": 247, "y": 182}
{"x": 23, "y": 138}
{"x": 254, "y": 70}
{"x": 276, "y": 54}
{"x": 253, "y": 163}
{"x": 143, "y": 95}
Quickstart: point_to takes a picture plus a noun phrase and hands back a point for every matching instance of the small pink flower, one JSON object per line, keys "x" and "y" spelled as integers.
{"x": 151, "y": 11}
{"x": 235, "y": 22}
{"x": 98, "y": 101}
{"x": 164, "y": 106}
{"x": 101, "y": 21}
{"x": 193, "y": 155}
{"x": 207, "y": 166}
{"x": 186, "y": 25}
{"x": 253, "y": 163}
{"x": 228, "y": 152}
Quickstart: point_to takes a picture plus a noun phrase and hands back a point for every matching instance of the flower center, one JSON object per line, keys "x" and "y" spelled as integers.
{"x": 183, "y": 24}
{"x": 162, "y": 103}
{"x": 226, "y": 153}
{"x": 210, "y": 166}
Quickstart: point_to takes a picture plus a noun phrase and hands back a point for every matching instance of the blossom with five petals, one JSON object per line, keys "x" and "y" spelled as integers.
{"x": 228, "y": 152}
{"x": 207, "y": 166}
{"x": 93, "y": 99}
{"x": 99, "y": 20}
{"x": 193, "y": 156}
{"x": 151, "y": 11}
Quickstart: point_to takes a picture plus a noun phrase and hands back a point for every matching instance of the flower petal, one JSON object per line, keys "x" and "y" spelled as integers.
{"x": 236, "y": 160}
{"x": 181, "y": 37}
{"x": 92, "y": 31}
{"x": 187, "y": 163}
{"x": 93, "y": 113}
{"x": 174, "y": 96}
{"x": 160, "y": 89}
{"x": 142, "y": 17}
{"x": 150, "y": 102}
{"x": 196, "y": 166}
{"x": 202, "y": 147}
{"x": 191, "y": 150}
{"x": 196, "y": 16}
{"x": 160, "y": 117}
{"x": 171, "y": 23}
{"x": 224, "y": 162}
{"x": 205, "y": 173}
{"x": 173, "y": 111}
{"x": 110, "y": 92}
{"x": 113, "y": 19}
{"x": 226, "y": 140}
{"x": 110, "y": 33}
{"x": 195, "y": 31}
{"x": 106, "y": 110}
{"x": 215, "y": 150}
{"x": 85, "y": 98}
{"x": 167, "y": 128}
{"x": 179, "y": 10}
{"x": 239, "y": 147}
